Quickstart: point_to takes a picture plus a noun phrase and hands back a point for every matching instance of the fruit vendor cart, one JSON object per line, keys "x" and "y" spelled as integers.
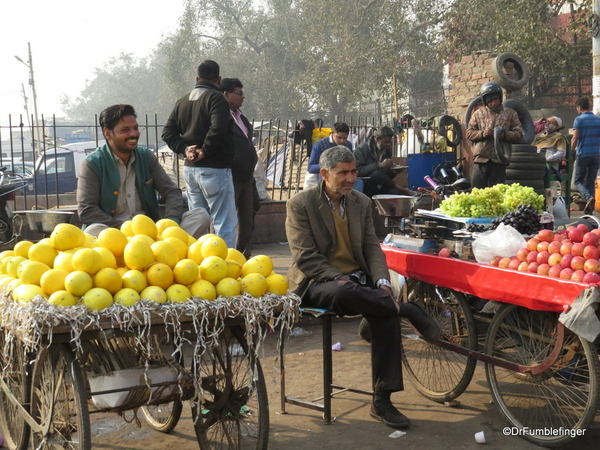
{"x": 59, "y": 365}
{"x": 544, "y": 377}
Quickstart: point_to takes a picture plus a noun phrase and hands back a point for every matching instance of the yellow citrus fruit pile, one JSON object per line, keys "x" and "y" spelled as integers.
{"x": 157, "y": 261}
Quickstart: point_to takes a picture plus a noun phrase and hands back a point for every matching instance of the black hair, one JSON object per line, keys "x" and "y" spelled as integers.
{"x": 384, "y": 132}
{"x": 229, "y": 84}
{"x": 341, "y": 127}
{"x": 110, "y": 117}
{"x": 208, "y": 70}
{"x": 583, "y": 103}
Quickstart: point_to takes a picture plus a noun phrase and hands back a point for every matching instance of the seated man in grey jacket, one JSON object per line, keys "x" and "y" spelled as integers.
{"x": 120, "y": 180}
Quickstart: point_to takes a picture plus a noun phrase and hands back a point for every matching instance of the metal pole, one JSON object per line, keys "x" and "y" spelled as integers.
{"x": 35, "y": 110}
{"x": 25, "y": 99}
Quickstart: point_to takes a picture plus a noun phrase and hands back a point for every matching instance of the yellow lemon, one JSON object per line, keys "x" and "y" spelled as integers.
{"x": 97, "y": 298}
{"x": 126, "y": 228}
{"x": 236, "y": 255}
{"x": 27, "y": 292}
{"x": 134, "y": 279}
{"x": 31, "y": 271}
{"x": 213, "y": 269}
{"x": 214, "y": 246}
{"x": 14, "y": 284}
{"x": 191, "y": 240}
{"x": 203, "y": 289}
{"x": 181, "y": 248}
{"x": 66, "y": 236}
{"x": 277, "y": 284}
{"x": 3, "y": 262}
{"x": 78, "y": 283}
{"x": 142, "y": 224}
{"x": 108, "y": 259}
{"x": 45, "y": 241}
{"x": 186, "y": 272}
{"x": 122, "y": 271}
{"x": 154, "y": 293}
{"x": 21, "y": 249}
{"x": 108, "y": 279}
{"x": 112, "y": 239}
{"x": 163, "y": 224}
{"x": 206, "y": 236}
{"x": 127, "y": 297}
{"x": 62, "y": 298}
{"x": 90, "y": 240}
{"x": 142, "y": 237}
{"x": 195, "y": 252}
{"x": 176, "y": 232}
{"x": 165, "y": 252}
{"x": 228, "y": 287}
{"x": 254, "y": 284}
{"x": 6, "y": 280}
{"x": 138, "y": 255}
{"x": 234, "y": 269}
{"x": 12, "y": 266}
{"x": 53, "y": 280}
{"x": 6, "y": 253}
{"x": 159, "y": 274}
{"x": 43, "y": 253}
{"x": 64, "y": 261}
{"x": 258, "y": 264}
{"x": 88, "y": 260}
{"x": 178, "y": 293}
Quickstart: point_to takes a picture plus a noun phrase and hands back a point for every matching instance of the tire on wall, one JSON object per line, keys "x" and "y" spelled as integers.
{"x": 524, "y": 118}
{"x": 520, "y": 68}
{"x": 449, "y": 121}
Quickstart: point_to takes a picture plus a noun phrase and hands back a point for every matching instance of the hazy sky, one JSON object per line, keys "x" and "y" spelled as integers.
{"x": 69, "y": 39}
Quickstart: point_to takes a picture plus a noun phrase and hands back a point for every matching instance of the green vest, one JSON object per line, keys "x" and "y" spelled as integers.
{"x": 103, "y": 163}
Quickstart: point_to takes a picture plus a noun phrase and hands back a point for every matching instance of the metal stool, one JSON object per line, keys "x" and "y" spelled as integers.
{"x": 328, "y": 386}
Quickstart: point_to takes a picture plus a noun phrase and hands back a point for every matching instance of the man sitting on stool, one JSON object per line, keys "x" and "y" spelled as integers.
{"x": 339, "y": 266}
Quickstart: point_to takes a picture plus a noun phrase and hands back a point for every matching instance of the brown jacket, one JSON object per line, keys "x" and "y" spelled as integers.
{"x": 312, "y": 238}
{"x": 483, "y": 147}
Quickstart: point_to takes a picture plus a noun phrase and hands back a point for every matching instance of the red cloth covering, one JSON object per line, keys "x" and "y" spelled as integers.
{"x": 526, "y": 289}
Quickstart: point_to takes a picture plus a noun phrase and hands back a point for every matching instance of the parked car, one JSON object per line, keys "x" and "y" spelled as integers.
{"x": 17, "y": 169}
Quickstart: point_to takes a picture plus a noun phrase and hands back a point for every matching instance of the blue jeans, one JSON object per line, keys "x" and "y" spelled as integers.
{"x": 212, "y": 189}
{"x": 585, "y": 175}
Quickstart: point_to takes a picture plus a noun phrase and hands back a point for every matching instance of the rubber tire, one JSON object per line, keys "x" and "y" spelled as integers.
{"x": 503, "y": 80}
{"x": 469, "y": 111}
{"x": 499, "y": 393}
{"x": 534, "y": 184}
{"x": 524, "y": 148}
{"x": 530, "y": 175}
{"x": 528, "y": 159}
{"x": 446, "y": 121}
{"x": 528, "y": 166}
{"x": 524, "y": 118}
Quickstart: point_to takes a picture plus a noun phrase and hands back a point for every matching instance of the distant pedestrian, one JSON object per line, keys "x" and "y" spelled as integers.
{"x": 586, "y": 142}
{"x": 200, "y": 127}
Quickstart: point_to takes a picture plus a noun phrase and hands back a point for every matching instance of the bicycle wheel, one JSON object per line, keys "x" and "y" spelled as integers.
{"x": 234, "y": 411}
{"x": 165, "y": 416}
{"x": 565, "y": 395}
{"x": 436, "y": 373}
{"x": 59, "y": 401}
{"x": 14, "y": 372}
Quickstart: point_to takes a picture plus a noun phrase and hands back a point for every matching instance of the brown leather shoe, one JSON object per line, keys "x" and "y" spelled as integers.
{"x": 589, "y": 206}
{"x": 389, "y": 415}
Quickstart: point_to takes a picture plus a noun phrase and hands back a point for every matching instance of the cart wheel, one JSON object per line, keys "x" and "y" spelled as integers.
{"x": 436, "y": 373}
{"x": 17, "y": 376}
{"x": 235, "y": 410}
{"x": 564, "y": 396}
{"x": 59, "y": 401}
{"x": 164, "y": 417}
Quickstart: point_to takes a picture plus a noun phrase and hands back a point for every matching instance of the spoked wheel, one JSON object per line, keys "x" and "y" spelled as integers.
{"x": 439, "y": 374}
{"x": 164, "y": 417}
{"x": 234, "y": 411}
{"x": 59, "y": 401}
{"x": 17, "y": 377}
{"x": 565, "y": 395}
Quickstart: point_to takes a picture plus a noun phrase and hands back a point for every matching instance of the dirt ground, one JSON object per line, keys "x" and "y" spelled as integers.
{"x": 433, "y": 426}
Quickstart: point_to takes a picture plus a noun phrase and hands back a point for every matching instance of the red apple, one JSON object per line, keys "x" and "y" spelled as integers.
{"x": 561, "y": 232}
{"x": 543, "y": 246}
{"x": 577, "y": 249}
{"x": 583, "y": 227}
{"x": 566, "y": 261}
{"x": 554, "y": 271}
{"x": 523, "y": 266}
{"x": 522, "y": 254}
{"x": 577, "y": 262}
{"x": 576, "y": 235}
{"x": 565, "y": 248}
{"x": 590, "y": 238}
{"x": 542, "y": 257}
{"x": 554, "y": 247}
{"x": 545, "y": 235}
{"x": 514, "y": 264}
{"x": 558, "y": 237}
{"x": 533, "y": 267}
{"x": 495, "y": 260}
{"x": 555, "y": 259}
{"x": 566, "y": 273}
{"x": 532, "y": 256}
{"x": 591, "y": 252}
{"x": 591, "y": 278}
{"x": 504, "y": 262}
{"x": 543, "y": 269}
{"x": 570, "y": 227}
{"x": 444, "y": 252}
{"x": 596, "y": 231}
{"x": 592, "y": 265}
{"x": 532, "y": 244}
{"x": 578, "y": 275}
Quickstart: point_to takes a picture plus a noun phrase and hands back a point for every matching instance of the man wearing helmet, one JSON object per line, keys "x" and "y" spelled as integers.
{"x": 488, "y": 169}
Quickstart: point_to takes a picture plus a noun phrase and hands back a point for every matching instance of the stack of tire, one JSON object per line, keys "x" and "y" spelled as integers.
{"x": 527, "y": 167}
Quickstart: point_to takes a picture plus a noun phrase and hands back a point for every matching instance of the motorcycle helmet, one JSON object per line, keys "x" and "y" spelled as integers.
{"x": 489, "y": 91}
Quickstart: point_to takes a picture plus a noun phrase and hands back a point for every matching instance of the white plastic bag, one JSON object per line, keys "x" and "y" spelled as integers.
{"x": 560, "y": 209}
{"x": 504, "y": 241}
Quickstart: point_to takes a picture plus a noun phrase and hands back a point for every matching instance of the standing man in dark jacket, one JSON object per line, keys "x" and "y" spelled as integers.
{"x": 244, "y": 161}
{"x": 200, "y": 127}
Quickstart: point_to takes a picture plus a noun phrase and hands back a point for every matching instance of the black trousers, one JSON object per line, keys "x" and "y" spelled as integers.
{"x": 347, "y": 298}
{"x": 487, "y": 174}
{"x": 379, "y": 183}
{"x": 245, "y": 204}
